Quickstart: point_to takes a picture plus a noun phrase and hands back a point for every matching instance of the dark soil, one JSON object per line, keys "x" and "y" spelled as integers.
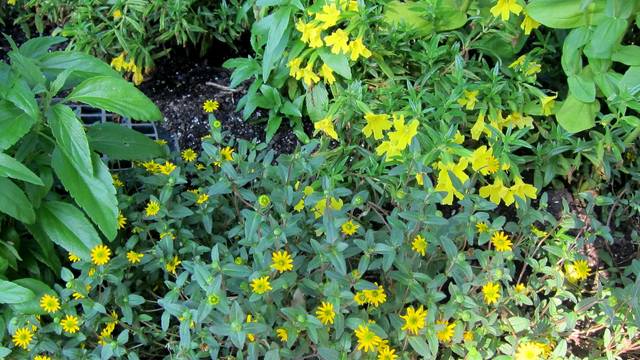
{"x": 180, "y": 86}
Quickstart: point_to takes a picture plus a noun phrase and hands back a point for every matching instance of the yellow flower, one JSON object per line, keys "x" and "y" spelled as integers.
{"x": 390, "y": 149}
{"x": 227, "y": 153}
{"x": 328, "y": 16}
{"x": 261, "y": 285}
{"x": 349, "y": 228}
{"x": 533, "y": 68}
{"x": 308, "y": 76}
{"x": 367, "y": 339}
{"x": 358, "y": 49}
{"x": 22, "y": 337}
{"x": 414, "y": 320}
{"x": 529, "y": 351}
{"x": 360, "y": 298}
{"x": 264, "y": 200}
{"x": 376, "y": 297}
{"x": 153, "y": 207}
{"x": 310, "y": 34}
{"x": 339, "y": 41}
{"x": 92, "y": 271}
{"x": 210, "y": 106}
{"x": 118, "y": 62}
{"x": 122, "y": 221}
{"x": 189, "y": 155}
{"x": 49, "y": 303}
{"x": 42, "y": 357}
{"x": 386, "y": 353}
{"x": 495, "y": 192}
{"x": 117, "y": 14}
{"x": 167, "y": 168}
{"x": 282, "y": 334}
{"x": 518, "y": 120}
{"x": 521, "y": 190}
{"x": 326, "y": 126}
{"x": 504, "y": 8}
{"x": 458, "y": 138}
{"x": 482, "y": 227}
{"x": 202, "y": 198}
{"x": 403, "y": 133}
{"x": 77, "y": 296}
{"x": 445, "y": 183}
{"x": 73, "y": 257}
{"x": 491, "y": 293}
{"x": 134, "y": 257}
{"x": 325, "y": 313}
{"x": 482, "y": 160}
{"x": 467, "y": 336}
{"x": 547, "y": 103}
{"x": 528, "y": 24}
{"x": 501, "y": 241}
{"x": 200, "y": 166}
{"x": 308, "y": 190}
{"x": 151, "y": 166}
{"x": 420, "y": 179}
{"x": 294, "y": 68}
{"x": 419, "y": 245}
{"x": 100, "y": 255}
{"x": 327, "y": 74}
{"x": 137, "y": 76}
{"x": 172, "y": 265}
{"x": 446, "y": 332}
{"x": 70, "y": 324}
{"x": 160, "y": 141}
{"x": 282, "y": 261}
{"x": 577, "y": 271}
{"x": 299, "y": 206}
{"x": 116, "y": 181}
{"x": 478, "y": 128}
{"x": 376, "y": 124}
{"x": 521, "y": 288}
{"x": 469, "y": 100}
{"x": 168, "y": 233}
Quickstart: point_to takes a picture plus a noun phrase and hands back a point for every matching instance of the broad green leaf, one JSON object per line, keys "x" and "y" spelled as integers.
{"x": 409, "y": 13}
{"x": 84, "y": 66}
{"x": 628, "y": 55}
{"x": 21, "y": 96}
{"x": 12, "y": 168}
{"x": 575, "y": 115}
{"x": 276, "y": 36}
{"x": 12, "y": 293}
{"x": 565, "y": 14}
{"x": 420, "y": 346}
{"x": 94, "y": 193}
{"x": 606, "y": 36}
{"x": 519, "y": 324}
{"x": 14, "y": 124}
{"x": 47, "y": 251}
{"x": 15, "y": 203}
{"x": 70, "y": 137}
{"x": 582, "y": 86}
{"x": 27, "y": 68}
{"x": 67, "y": 226}
{"x": 631, "y": 78}
{"x": 317, "y": 102}
{"x": 121, "y": 143}
{"x": 571, "y": 59}
{"x": 115, "y": 95}
{"x": 39, "y": 46}
{"x": 32, "y": 306}
{"x": 337, "y": 62}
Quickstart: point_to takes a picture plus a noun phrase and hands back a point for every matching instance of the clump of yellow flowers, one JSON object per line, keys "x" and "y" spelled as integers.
{"x": 120, "y": 63}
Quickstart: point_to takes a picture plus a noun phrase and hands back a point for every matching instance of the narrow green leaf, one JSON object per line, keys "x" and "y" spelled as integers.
{"x": 10, "y": 167}
{"x": 281, "y": 20}
{"x": 15, "y": 203}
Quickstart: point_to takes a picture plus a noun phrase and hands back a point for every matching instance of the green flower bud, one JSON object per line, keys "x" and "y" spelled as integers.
{"x": 264, "y": 201}
{"x": 213, "y": 299}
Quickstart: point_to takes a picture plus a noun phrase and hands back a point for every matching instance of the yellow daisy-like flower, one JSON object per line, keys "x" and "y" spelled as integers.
{"x": 172, "y": 265}
{"x": 419, "y": 245}
{"x": 70, "y": 324}
{"x": 360, "y": 298}
{"x": 210, "y": 106}
{"x": 446, "y": 332}
{"x": 73, "y": 257}
{"x": 189, "y": 155}
{"x": 482, "y": 227}
{"x": 151, "y": 166}
{"x": 529, "y": 351}
{"x": 167, "y": 168}
{"x": 414, "y": 320}
{"x": 325, "y": 313}
{"x": 49, "y": 303}
{"x": 117, "y": 14}
{"x": 467, "y": 336}
{"x": 376, "y": 124}
{"x": 100, "y": 255}
{"x": 282, "y": 261}
{"x": 42, "y": 357}
{"x": 578, "y": 270}
{"x": 386, "y": 353}
{"x": 501, "y": 241}
{"x": 134, "y": 257}
{"x": 376, "y": 297}
{"x": 367, "y": 339}
{"x": 22, "y": 337}
{"x": 521, "y": 288}
{"x": 282, "y": 334}
{"x": 491, "y": 293}
{"x": 227, "y": 153}
{"x": 261, "y": 285}
{"x": 152, "y": 209}
{"x": 349, "y": 228}
{"x": 122, "y": 221}
{"x": 202, "y": 198}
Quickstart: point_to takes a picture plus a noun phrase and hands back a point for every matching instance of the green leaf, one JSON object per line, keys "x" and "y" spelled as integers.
{"x": 15, "y": 203}
{"x": 84, "y": 66}
{"x": 519, "y": 324}
{"x": 628, "y": 55}
{"x": 275, "y": 38}
{"x": 32, "y": 306}
{"x": 565, "y": 14}
{"x": 121, "y": 143}
{"x": 337, "y": 62}
{"x": 12, "y": 168}
{"x": 582, "y": 86}
{"x": 575, "y": 115}
{"x": 606, "y": 36}
{"x": 14, "y": 124}
{"x": 571, "y": 59}
{"x": 27, "y": 68}
{"x": 317, "y": 101}
{"x": 94, "y": 193}
{"x": 70, "y": 137}
{"x": 67, "y": 226}
{"x": 39, "y": 46}
{"x": 12, "y": 293}
{"x": 115, "y": 95}
{"x": 21, "y": 96}
{"x": 420, "y": 346}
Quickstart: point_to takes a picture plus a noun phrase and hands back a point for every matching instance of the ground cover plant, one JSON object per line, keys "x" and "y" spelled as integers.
{"x": 466, "y": 187}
